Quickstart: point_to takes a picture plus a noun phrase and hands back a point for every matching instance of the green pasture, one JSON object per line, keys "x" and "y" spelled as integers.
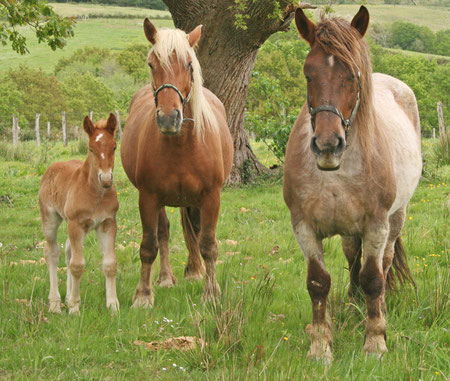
{"x": 257, "y": 331}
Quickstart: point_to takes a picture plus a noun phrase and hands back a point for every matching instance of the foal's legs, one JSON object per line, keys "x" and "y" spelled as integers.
{"x": 149, "y": 210}
{"x": 166, "y": 277}
{"x": 106, "y": 234}
{"x": 190, "y": 218}
{"x": 352, "y": 251}
{"x": 209, "y": 214}
{"x": 372, "y": 282}
{"x": 76, "y": 265}
{"x": 50, "y": 224}
{"x": 69, "y": 277}
{"x": 318, "y": 283}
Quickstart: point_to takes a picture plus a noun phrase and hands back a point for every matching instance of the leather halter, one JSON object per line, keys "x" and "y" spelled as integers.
{"x": 184, "y": 100}
{"x": 346, "y": 123}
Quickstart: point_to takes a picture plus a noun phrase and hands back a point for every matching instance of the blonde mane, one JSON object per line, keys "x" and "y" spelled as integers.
{"x": 169, "y": 41}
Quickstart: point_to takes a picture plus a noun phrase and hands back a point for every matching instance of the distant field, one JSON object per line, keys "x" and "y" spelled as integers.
{"x": 114, "y": 34}
{"x": 435, "y": 18}
{"x": 438, "y": 58}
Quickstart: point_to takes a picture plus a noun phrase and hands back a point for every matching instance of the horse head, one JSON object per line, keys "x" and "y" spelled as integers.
{"x": 172, "y": 76}
{"x": 333, "y": 85}
{"x": 102, "y": 146}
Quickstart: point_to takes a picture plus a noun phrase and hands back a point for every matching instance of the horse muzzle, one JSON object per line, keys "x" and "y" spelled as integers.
{"x": 106, "y": 179}
{"x": 328, "y": 155}
{"x": 169, "y": 124}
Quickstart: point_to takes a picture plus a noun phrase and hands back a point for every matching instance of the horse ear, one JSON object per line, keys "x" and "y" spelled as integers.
{"x": 305, "y": 27}
{"x": 111, "y": 124}
{"x": 361, "y": 20}
{"x": 88, "y": 126}
{"x": 194, "y": 36}
{"x": 150, "y": 31}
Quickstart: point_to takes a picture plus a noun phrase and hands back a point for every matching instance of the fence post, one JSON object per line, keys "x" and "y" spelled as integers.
{"x": 14, "y": 130}
{"x": 64, "y": 128}
{"x": 36, "y": 127}
{"x": 119, "y": 125}
{"x": 442, "y": 132}
{"x": 48, "y": 129}
{"x": 434, "y": 133}
{"x": 91, "y": 115}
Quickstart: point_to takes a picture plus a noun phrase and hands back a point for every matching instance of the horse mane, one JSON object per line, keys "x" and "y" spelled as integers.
{"x": 337, "y": 37}
{"x": 169, "y": 41}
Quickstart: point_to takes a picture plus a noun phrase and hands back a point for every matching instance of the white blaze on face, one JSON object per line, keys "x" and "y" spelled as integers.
{"x": 99, "y": 136}
{"x": 102, "y": 155}
{"x": 331, "y": 61}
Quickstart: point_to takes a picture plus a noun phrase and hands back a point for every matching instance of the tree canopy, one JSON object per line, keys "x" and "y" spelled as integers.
{"x": 49, "y": 27}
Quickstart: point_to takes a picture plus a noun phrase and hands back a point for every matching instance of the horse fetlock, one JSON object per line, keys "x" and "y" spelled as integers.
{"x": 211, "y": 291}
{"x": 194, "y": 273}
{"x": 167, "y": 279}
{"x": 321, "y": 342}
{"x": 375, "y": 345}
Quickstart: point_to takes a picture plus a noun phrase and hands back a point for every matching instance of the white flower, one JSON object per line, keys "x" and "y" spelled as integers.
{"x": 164, "y": 369}
{"x": 174, "y": 365}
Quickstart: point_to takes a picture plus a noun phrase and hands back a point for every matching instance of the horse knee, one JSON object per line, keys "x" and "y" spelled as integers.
{"x": 76, "y": 268}
{"x": 318, "y": 281}
{"x": 371, "y": 279}
{"x": 110, "y": 268}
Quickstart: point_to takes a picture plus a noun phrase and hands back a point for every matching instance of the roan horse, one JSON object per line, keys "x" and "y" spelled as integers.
{"x": 177, "y": 151}
{"x": 352, "y": 163}
{"x": 83, "y": 194}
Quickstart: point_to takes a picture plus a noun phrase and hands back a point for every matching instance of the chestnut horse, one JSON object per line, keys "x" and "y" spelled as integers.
{"x": 177, "y": 151}
{"x": 352, "y": 163}
{"x": 83, "y": 194}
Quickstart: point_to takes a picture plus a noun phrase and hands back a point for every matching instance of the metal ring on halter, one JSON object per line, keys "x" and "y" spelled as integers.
{"x": 184, "y": 100}
{"x": 346, "y": 123}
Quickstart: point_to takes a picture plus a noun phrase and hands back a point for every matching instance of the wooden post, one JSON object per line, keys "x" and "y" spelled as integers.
{"x": 48, "y": 129}
{"x": 91, "y": 115}
{"x": 64, "y": 128}
{"x": 14, "y": 130}
{"x": 36, "y": 127}
{"x": 119, "y": 125}
{"x": 434, "y": 133}
{"x": 442, "y": 132}
{"x": 77, "y": 133}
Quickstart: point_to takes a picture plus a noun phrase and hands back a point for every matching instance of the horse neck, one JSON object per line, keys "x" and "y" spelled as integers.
{"x": 88, "y": 178}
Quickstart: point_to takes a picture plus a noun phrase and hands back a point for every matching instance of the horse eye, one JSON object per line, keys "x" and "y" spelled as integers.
{"x": 308, "y": 78}
{"x": 151, "y": 66}
{"x": 189, "y": 66}
{"x": 91, "y": 150}
{"x": 352, "y": 77}
{"x": 114, "y": 148}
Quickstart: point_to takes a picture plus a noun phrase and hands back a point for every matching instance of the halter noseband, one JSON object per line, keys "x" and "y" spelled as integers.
{"x": 184, "y": 100}
{"x": 346, "y": 123}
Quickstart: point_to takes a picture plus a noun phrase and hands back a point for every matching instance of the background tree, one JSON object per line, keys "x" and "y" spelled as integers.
{"x": 233, "y": 31}
{"x": 37, "y": 14}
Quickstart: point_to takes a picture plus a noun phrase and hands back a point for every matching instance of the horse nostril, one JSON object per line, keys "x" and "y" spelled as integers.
{"x": 314, "y": 146}
{"x": 341, "y": 145}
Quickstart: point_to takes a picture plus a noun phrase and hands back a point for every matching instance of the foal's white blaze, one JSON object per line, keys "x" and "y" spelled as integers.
{"x": 331, "y": 60}
{"x": 99, "y": 136}
{"x": 102, "y": 155}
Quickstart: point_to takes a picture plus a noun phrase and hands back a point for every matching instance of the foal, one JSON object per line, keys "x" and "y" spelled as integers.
{"x": 83, "y": 194}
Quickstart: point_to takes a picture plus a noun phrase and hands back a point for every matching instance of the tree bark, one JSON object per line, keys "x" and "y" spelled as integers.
{"x": 227, "y": 54}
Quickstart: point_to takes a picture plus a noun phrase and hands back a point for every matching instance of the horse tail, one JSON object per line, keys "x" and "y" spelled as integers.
{"x": 400, "y": 265}
{"x": 194, "y": 268}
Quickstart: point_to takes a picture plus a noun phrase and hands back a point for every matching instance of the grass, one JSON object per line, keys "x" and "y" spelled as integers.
{"x": 257, "y": 332}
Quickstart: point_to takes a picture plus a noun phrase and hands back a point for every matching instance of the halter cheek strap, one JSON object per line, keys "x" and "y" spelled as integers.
{"x": 184, "y": 100}
{"x": 346, "y": 123}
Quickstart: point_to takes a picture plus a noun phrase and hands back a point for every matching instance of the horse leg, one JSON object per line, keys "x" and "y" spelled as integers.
{"x": 371, "y": 279}
{"x": 68, "y": 254}
{"x": 50, "y": 223}
{"x": 352, "y": 250}
{"x": 209, "y": 214}
{"x": 166, "y": 277}
{"x": 396, "y": 222}
{"x": 190, "y": 220}
{"x": 318, "y": 283}
{"x": 149, "y": 210}
{"x": 106, "y": 235}
{"x": 76, "y": 265}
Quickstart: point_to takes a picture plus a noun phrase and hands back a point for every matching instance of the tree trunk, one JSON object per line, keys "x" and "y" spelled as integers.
{"x": 227, "y": 54}
{"x": 64, "y": 130}
{"x": 36, "y": 128}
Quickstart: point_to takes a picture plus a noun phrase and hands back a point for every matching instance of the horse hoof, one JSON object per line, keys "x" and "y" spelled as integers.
{"x": 320, "y": 349}
{"x": 74, "y": 310}
{"x": 113, "y": 306}
{"x": 167, "y": 281}
{"x": 55, "y": 307}
{"x": 193, "y": 274}
{"x": 143, "y": 301}
{"x": 375, "y": 346}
